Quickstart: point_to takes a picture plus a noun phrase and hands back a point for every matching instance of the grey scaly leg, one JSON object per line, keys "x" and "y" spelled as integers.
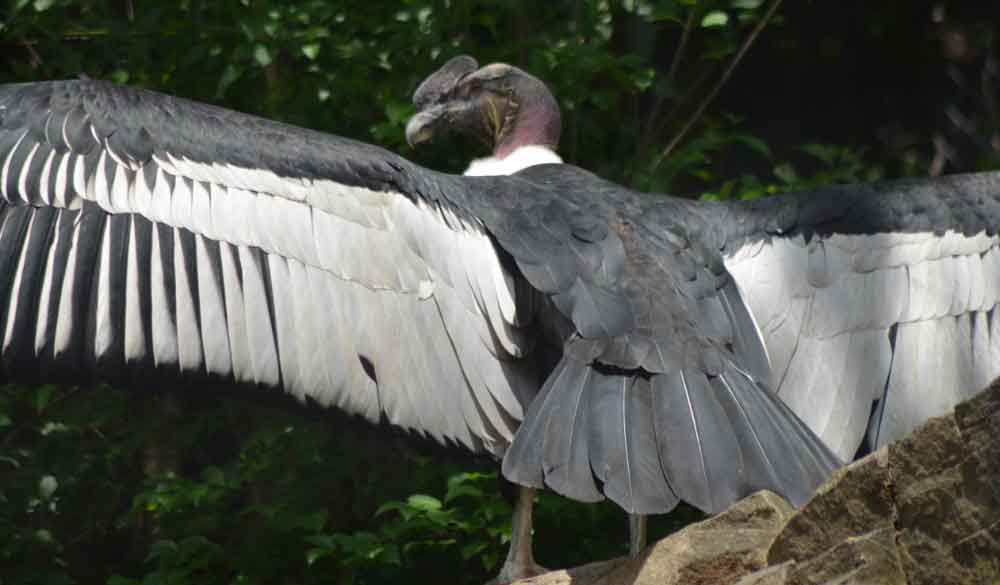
{"x": 636, "y": 534}
{"x": 520, "y": 561}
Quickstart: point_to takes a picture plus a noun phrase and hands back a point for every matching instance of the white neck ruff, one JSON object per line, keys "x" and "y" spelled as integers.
{"x": 522, "y": 158}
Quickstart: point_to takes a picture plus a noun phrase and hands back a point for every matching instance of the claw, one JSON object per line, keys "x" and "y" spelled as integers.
{"x": 511, "y": 572}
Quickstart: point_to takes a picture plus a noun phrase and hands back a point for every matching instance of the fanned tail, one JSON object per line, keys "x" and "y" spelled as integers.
{"x": 647, "y": 441}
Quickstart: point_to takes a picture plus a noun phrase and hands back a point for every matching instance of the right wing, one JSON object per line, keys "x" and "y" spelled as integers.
{"x": 878, "y": 303}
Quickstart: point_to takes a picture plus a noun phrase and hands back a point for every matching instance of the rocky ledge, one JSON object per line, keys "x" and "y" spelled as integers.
{"x": 922, "y": 511}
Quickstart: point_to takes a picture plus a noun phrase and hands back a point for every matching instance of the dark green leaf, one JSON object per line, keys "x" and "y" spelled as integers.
{"x": 714, "y": 18}
{"x": 786, "y": 173}
{"x": 424, "y": 502}
{"x": 262, "y": 55}
{"x": 754, "y": 143}
{"x": 43, "y": 396}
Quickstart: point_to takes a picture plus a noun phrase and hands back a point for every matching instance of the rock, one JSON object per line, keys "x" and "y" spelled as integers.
{"x": 776, "y": 575}
{"x": 935, "y": 492}
{"x": 861, "y": 560}
{"x": 921, "y": 511}
{"x": 855, "y": 500}
{"x": 867, "y": 560}
{"x": 583, "y": 575}
{"x": 947, "y": 476}
{"x": 717, "y": 550}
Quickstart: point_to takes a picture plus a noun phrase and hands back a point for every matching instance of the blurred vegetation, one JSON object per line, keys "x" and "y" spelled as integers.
{"x": 152, "y": 486}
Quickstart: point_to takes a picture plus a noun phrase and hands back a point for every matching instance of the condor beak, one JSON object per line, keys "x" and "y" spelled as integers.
{"x": 442, "y": 106}
{"x": 423, "y": 125}
{"x": 456, "y": 115}
{"x": 434, "y": 108}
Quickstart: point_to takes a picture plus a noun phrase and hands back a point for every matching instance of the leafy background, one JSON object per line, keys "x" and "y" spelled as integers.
{"x": 181, "y": 485}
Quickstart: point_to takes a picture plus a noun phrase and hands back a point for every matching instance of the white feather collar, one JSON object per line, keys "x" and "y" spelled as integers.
{"x": 522, "y": 158}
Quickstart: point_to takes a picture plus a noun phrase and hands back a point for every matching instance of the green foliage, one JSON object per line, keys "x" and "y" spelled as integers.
{"x": 48, "y": 501}
{"x": 104, "y": 486}
{"x": 823, "y": 164}
{"x": 425, "y": 535}
{"x": 350, "y": 67}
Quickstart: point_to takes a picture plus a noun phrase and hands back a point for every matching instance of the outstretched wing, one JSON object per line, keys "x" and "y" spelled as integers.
{"x": 143, "y": 231}
{"x": 658, "y": 396}
{"x": 877, "y": 302}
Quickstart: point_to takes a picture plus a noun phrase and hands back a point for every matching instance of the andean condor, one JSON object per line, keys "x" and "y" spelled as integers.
{"x": 603, "y": 342}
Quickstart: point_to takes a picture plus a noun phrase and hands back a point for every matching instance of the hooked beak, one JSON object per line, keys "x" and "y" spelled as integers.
{"x": 422, "y": 125}
{"x": 480, "y": 103}
{"x": 452, "y": 115}
{"x": 435, "y": 109}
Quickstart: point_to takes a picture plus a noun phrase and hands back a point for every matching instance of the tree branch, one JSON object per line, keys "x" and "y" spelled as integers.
{"x": 654, "y": 112}
{"x": 718, "y": 86}
{"x": 681, "y": 45}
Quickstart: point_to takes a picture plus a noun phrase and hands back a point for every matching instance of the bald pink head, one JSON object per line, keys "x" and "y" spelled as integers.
{"x": 499, "y": 104}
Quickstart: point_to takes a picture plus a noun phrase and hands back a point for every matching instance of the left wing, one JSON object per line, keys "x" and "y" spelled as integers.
{"x": 141, "y": 232}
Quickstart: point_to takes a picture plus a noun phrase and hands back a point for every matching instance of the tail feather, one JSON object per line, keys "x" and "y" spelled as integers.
{"x": 700, "y": 451}
{"x": 815, "y": 457}
{"x": 639, "y": 486}
{"x": 772, "y": 445}
{"x": 565, "y": 451}
{"x": 623, "y": 454}
{"x": 522, "y": 464}
{"x": 648, "y": 441}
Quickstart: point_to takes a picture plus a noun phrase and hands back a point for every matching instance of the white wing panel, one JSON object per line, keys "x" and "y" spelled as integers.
{"x": 424, "y": 359}
{"x": 849, "y": 320}
{"x": 384, "y": 305}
